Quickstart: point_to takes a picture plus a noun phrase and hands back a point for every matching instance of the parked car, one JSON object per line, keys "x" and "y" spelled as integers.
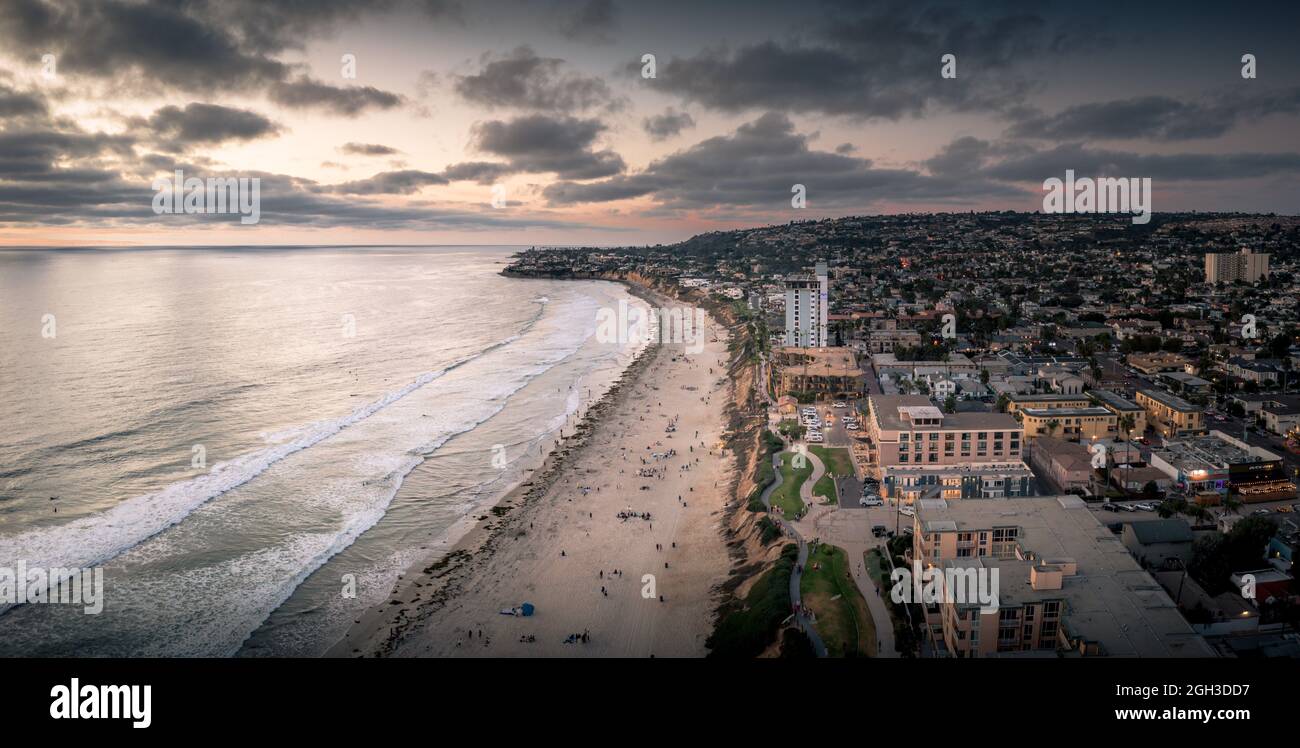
{"x": 878, "y": 531}
{"x": 1110, "y": 507}
{"x": 1261, "y": 512}
{"x": 1145, "y": 507}
{"x": 907, "y": 511}
{"x": 840, "y": 405}
{"x": 1285, "y": 509}
{"x": 872, "y": 501}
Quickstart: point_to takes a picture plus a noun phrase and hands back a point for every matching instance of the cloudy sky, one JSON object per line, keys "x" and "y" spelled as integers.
{"x": 543, "y": 103}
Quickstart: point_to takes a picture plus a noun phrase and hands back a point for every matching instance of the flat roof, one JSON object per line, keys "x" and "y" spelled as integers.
{"x": 1056, "y": 412}
{"x": 889, "y": 411}
{"x": 1047, "y": 398}
{"x": 1211, "y": 450}
{"x": 1111, "y": 600}
{"x": 1114, "y": 401}
{"x": 1168, "y": 400}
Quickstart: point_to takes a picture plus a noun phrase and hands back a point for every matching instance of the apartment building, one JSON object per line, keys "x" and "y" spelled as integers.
{"x": 1122, "y": 407}
{"x": 1016, "y": 403}
{"x": 1227, "y": 267}
{"x": 807, "y": 298}
{"x": 1066, "y": 585}
{"x": 1170, "y": 415}
{"x": 1072, "y": 424}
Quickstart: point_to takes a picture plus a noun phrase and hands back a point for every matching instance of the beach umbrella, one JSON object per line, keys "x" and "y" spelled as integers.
{"x": 526, "y": 609}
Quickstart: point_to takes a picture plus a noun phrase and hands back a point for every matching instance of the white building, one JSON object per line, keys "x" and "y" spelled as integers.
{"x": 806, "y": 300}
{"x": 1236, "y": 266}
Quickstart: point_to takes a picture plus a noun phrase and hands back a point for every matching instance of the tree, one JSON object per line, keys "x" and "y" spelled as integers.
{"x": 950, "y": 404}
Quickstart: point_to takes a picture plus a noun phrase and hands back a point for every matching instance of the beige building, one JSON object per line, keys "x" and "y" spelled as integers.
{"x": 910, "y": 430}
{"x": 1066, "y": 585}
{"x": 1154, "y": 363}
{"x": 1072, "y": 424}
{"x": 1016, "y": 403}
{"x": 821, "y": 372}
{"x": 1170, "y": 415}
{"x": 1122, "y": 407}
{"x": 1226, "y": 267}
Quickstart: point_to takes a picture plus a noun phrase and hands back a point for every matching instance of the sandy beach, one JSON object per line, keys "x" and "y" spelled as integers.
{"x": 617, "y": 536}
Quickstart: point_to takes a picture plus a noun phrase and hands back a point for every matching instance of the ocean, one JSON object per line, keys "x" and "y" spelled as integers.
{"x": 253, "y": 443}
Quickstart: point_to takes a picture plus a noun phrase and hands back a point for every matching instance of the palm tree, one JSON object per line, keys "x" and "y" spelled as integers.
{"x": 1052, "y": 426}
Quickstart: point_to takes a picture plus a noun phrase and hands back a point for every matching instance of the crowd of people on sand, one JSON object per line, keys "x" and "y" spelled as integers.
{"x": 625, "y": 515}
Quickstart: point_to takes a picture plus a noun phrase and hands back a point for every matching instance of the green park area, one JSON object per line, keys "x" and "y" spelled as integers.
{"x": 828, "y": 590}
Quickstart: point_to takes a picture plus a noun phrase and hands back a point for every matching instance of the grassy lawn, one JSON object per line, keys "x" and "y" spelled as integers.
{"x": 837, "y": 460}
{"x": 843, "y": 620}
{"x": 825, "y": 487}
{"x": 787, "y": 496}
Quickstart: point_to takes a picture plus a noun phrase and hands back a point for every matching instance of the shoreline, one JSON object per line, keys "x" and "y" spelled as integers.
{"x": 441, "y": 580}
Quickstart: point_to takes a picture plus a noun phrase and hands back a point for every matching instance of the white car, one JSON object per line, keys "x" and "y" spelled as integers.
{"x": 907, "y": 511}
{"x": 872, "y": 501}
{"x": 840, "y": 405}
{"x": 815, "y": 438}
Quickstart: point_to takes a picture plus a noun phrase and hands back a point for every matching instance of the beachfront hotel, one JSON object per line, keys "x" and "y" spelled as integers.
{"x": 1066, "y": 585}
{"x": 919, "y": 451}
{"x": 806, "y": 300}
{"x": 818, "y": 372}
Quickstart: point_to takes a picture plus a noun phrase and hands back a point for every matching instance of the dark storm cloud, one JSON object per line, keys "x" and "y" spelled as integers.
{"x": 368, "y": 149}
{"x": 402, "y": 182}
{"x": 1038, "y": 165}
{"x": 153, "y": 41}
{"x": 483, "y": 172}
{"x": 592, "y": 22}
{"x": 884, "y": 63}
{"x": 666, "y": 125}
{"x": 198, "y": 46}
{"x": 308, "y": 93}
{"x": 524, "y": 80}
{"x": 15, "y": 103}
{"x": 1156, "y": 117}
{"x": 1010, "y": 161}
{"x": 201, "y": 123}
{"x": 758, "y": 164}
{"x": 538, "y": 144}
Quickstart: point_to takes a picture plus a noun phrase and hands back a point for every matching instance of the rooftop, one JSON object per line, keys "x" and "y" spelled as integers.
{"x": 1114, "y": 401}
{"x": 1170, "y": 401}
{"x": 1109, "y": 600}
{"x": 891, "y": 411}
{"x": 1069, "y": 412}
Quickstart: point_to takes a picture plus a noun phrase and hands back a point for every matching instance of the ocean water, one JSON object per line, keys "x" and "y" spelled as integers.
{"x": 254, "y": 443}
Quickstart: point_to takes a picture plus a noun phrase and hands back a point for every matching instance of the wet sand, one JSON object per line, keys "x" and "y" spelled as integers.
{"x": 558, "y": 539}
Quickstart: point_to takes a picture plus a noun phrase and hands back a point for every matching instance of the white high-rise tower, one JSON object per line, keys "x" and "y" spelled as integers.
{"x": 806, "y": 301}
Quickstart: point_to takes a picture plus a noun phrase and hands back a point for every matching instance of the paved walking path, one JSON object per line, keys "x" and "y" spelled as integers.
{"x": 796, "y": 575}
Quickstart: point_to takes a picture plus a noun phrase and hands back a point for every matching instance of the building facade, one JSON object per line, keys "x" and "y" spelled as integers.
{"x": 806, "y": 302}
{"x": 1170, "y": 415}
{"x": 1227, "y": 267}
